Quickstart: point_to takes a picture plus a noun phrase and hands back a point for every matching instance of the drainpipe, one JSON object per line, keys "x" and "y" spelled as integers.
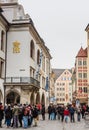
{"x": 5, "y": 68}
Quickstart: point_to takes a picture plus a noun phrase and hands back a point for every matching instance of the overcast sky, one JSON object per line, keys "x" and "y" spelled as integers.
{"x": 61, "y": 24}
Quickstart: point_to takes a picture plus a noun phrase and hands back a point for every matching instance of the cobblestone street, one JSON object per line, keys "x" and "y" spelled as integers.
{"x": 55, "y": 125}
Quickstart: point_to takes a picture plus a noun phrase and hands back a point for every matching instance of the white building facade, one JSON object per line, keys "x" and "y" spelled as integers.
{"x": 27, "y": 58}
{"x": 3, "y": 29}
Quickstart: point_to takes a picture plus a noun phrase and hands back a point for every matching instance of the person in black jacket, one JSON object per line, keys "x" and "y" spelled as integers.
{"x": 1, "y": 114}
{"x": 8, "y": 116}
{"x": 72, "y": 111}
{"x": 49, "y": 111}
{"x": 62, "y": 113}
{"x": 35, "y": 115}
{"x": 43, "y": 112}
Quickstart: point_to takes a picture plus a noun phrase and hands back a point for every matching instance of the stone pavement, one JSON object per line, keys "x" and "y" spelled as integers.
{"x": 55, "y": 125}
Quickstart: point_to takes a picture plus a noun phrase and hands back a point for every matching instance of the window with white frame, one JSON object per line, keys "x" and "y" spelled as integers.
{"x": 32, "y": 49}
{"x": 79, "y": 75}
{"x": 79, "y": 62}
{"x": 84, "y": 62}
{"x": 84, "y": 75}
{"x": 32, "y": 72}
{"x": 2, "y": 40}
{"x": 1, "y": 68}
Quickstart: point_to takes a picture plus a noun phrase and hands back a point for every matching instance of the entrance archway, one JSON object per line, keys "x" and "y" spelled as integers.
{"x": 43, "y": 99}
{"x": 32, "y": 99}
{"x": 12, "y": 97}
{"x": 38, "y": 98}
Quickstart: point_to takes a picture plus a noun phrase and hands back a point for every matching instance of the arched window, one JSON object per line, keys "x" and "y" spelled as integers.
{"x": 2, "y": 40}
{"x": 32, "y": 49}
{"x": 38, "y": 56}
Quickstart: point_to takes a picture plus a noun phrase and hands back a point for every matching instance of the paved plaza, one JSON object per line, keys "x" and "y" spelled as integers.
{"x": 54, "y": 125}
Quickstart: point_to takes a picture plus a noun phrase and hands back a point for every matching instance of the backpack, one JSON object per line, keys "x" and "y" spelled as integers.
{"x": 25, "y": 111}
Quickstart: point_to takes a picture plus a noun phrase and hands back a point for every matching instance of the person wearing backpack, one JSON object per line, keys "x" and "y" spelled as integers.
{"x": 15, "y": 113}
{"x": 25, "y": 116}
{"x": 35, "y": 115}
{"x": 72, "y": 111}
{"x": 8, "y": 116}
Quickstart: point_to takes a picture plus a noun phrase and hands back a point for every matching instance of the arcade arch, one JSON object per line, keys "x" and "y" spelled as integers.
{"x": 38, "y": 98}
{"x": 43, "y": 99}
{"x": 12, "y": 97}
{"x": 32, "y": 98}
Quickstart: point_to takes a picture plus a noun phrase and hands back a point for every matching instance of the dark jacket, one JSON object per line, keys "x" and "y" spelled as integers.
{"x": 43, "y": 110}
{"x": 72, "y": 110}
{"x": 35, "y": 112}
{"x": 8, "y": 113}
{"x": 1, "y": 112}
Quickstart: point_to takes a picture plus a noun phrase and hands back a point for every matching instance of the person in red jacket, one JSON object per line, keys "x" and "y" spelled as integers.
{"x": 66, "y": 114}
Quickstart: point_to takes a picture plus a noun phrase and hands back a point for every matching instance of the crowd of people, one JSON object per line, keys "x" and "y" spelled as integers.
{"x": 65, "y": 113}
{"x": 19, "y": 115}
{"x": 23, "y": 115}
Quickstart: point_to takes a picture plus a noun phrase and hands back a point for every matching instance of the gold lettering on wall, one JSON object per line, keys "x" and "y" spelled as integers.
{"x": 16, "y": 48}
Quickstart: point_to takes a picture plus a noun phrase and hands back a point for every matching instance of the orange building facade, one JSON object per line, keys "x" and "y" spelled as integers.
{"x": 81, "y": 76}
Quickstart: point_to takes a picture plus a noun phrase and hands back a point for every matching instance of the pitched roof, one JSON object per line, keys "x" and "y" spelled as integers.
{"x": 82, "y": 53}
{"x": 58, "y": 72}
{"x": 86, "y": 51}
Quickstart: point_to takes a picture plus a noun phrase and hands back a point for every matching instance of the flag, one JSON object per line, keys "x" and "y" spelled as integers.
{"x": 47, "y": 84}
{"x": 40, "y": 61}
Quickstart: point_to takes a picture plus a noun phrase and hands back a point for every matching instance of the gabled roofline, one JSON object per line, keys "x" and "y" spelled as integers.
{"x": 87, "y": 28}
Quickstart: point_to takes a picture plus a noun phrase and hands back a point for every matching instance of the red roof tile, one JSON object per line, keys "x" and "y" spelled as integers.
{"x": 82, "y": 53}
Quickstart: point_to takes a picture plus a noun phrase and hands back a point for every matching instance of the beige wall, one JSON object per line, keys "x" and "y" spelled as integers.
{"x": 63, "y": 88}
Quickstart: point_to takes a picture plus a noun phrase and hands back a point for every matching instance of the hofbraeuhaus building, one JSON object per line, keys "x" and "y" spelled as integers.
{"x": 24, "y": 58}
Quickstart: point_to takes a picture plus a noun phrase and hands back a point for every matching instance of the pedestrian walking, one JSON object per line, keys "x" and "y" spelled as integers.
{"x": 25, "y": 116}
{"x": 58, "y": 111}
{"x": 43, "y": 112}
{"x": 52, "y": 113}
{"x": 62, "y": 113}
{"x": 8, "y": 116}
{"x": 20, "y": 115}
{"x": 66, "y": 114}
{"x": 1, "y": 114}
{"x": 49, "y": 111}
{"x": 72, "y": 111}
{"x": 78, "y": 113}
{"x": 35, "y": 115}
{"x": 15, "y": 116}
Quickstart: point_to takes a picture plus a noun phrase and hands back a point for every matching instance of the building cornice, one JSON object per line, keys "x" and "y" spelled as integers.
{"x": 8, "y": 4}
{"x": 4, "y": 21}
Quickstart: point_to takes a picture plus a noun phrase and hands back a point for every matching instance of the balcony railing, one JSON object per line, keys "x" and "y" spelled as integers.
{"x": 22, "y": 80}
